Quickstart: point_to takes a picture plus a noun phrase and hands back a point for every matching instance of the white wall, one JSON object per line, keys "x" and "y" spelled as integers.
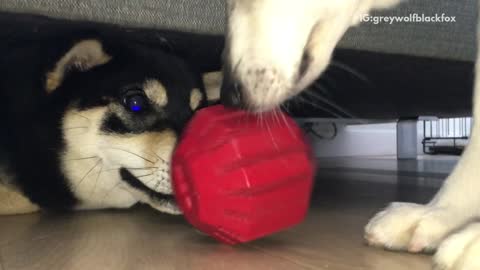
{"x": 362, "y": 140}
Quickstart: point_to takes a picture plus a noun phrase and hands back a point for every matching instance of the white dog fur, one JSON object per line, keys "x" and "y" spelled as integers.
{"x": 268, "y": 64}
{"x": 276, "y": 48}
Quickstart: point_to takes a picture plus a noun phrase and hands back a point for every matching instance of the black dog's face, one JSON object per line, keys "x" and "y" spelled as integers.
{"x": 122, "y": 111}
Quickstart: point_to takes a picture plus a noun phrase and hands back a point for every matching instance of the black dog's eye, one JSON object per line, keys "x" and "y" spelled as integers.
{"x": 135, "y": 101}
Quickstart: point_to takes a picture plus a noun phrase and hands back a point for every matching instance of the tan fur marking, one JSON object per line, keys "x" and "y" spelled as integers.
{"x": 92, "y": 158}
{"x": 195, "y": 98}
{"x": 150, "y": 144}
{"x": 12, "y": 202}
{"x": 84, "y": 55}
{"x": 156, "y": 92}
{"x": 212, "y": 82}
{"x": 101, "y": 188}
{"x": 149, "y": 149}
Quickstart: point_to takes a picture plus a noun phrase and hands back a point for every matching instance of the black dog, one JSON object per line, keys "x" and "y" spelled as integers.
{"x": 90, "y": 121}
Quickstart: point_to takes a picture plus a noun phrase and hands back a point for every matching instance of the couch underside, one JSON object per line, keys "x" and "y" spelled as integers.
{"x": 367, "y": 84}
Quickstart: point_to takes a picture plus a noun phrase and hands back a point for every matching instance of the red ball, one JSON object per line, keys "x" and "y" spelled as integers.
{"x": 239, "y": 176}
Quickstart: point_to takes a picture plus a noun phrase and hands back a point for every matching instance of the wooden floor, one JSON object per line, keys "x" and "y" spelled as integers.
{"x": 347, "y": 193}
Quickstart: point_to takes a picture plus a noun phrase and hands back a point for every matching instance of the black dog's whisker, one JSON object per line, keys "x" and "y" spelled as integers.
{"x": 129, "y": 152}
{"x": 118, "y": 168}
{"x": 159, "y": 157}
{"x": 82, "y": 116}
{"x": 127, "y": 190}
{"x": 149, "y": 181}
{"x": 84, "y": 158}
{"x": 96, "y": 179}
{"x": 70, "y": 128}
{"x": 89, "y": 171}
{"x": 145, "y": 175}
{"x": 153, "y": 155}
{"x": 144, "y": 168}
{"x": 110, "y": 191}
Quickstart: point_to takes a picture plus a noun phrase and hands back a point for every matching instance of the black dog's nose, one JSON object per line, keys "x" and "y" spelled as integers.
{"x": 231, "y": 96}
{"x": 231, "y": 93}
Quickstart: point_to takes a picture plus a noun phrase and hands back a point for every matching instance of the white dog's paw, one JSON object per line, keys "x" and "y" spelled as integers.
{"x": 460, "y": 251}
{"x": 410, "y": 227}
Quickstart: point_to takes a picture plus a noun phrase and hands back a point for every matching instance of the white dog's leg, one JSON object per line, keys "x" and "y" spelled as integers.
{"x": 460, "y": 251}
{"x": 412, "y": 227}
{"x": 418, "y": 228}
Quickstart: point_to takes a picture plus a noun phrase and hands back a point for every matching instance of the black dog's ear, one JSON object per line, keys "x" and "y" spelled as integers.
{"x": 82, "y": 56}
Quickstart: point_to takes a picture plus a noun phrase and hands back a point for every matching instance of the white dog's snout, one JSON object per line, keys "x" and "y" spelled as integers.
{"x": 255, "y": 88}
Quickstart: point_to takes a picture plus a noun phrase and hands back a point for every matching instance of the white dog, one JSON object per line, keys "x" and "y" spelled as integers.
{"x": 276, "y": 48}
